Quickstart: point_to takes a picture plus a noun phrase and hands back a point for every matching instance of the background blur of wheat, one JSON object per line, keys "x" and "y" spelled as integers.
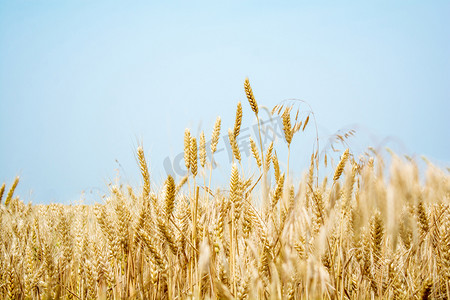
{"x": 368, "y": 230}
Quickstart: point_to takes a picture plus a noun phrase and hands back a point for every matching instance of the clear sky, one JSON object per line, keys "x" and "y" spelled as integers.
{"x": 82, "y": 83}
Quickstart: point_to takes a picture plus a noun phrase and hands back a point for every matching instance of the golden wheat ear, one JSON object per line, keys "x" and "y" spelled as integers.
{"x": 193, "y": 156}
{"x": 341, "y": 165}
{"x": 170, "y": 196}
{"x": 255, "y": 152}
{"x": 144, "y": 172}
{"x": 215, "y": 135}
{"x": 11, "y": 191}
{"x": 234, "y": 145}
{"x": 187, "y": 148}
{"x": 250, "y": 97}
{"x": 2, "y": 190}
{"x": 238, "y": 120}
{"x": 202, "y": 149}
{"x": 288, "y": 132}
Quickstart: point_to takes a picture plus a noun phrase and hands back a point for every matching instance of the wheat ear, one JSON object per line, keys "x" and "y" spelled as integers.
{"x": 376, "y": 235}
{"x": 11, "y": 191}
{"x": 278, "y": 191}
{"x": 250, "y": 97}
{"x": 235, "y": 191}
{"x": 238, "y": 120}
{"x": 187, "y": 148}
{"x": 276, "y": 166}
{"x": 341, "y": 165}
{"x": 202, "y": 150}
{"x": 215, "y": 135}
{"x": 234, "y": 145}
{"x": 193, "y": 156}
{"x": 287, "y": 126}
{"x": 255, "y": 152}
{"x": 268, "y": 157}
{"x": 144, "y": 172}
{"x": 170, "y": 196}
{"x": 2, "y": 191}
{"x": 422, "y": 218}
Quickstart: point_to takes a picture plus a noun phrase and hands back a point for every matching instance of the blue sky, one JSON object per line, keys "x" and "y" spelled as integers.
{"x": 82, "y": 83}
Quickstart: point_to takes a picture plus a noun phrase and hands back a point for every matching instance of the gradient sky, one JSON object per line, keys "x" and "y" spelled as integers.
{"x": 82, "y": 83}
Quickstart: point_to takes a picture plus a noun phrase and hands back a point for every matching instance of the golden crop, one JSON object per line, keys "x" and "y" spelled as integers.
{"x": 361, "y": 234}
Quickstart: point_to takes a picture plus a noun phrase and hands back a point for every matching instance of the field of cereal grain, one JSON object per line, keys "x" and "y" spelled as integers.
{"x": 365, "y": 229}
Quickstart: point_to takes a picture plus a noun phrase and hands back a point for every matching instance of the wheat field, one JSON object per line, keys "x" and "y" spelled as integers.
{"x": 368, "y": 230}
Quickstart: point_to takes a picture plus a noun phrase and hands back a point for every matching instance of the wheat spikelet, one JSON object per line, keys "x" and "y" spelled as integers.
{"x": 66, "y": 238}
{"x": 287, "y": 126}
{"x": 297, "y": 126}
{"x": 376, "y": 235}
{"x": 153, "y": 250}
{"x": 348, "y": 189}
{"x": 268, "y": 157}
{"x": 238, "y": 120}
{"x": 235, "y": 191}
{"x": 144, "y": 172}
{"x": 311, "y": 174}
{"x": 202, "y": 150}
{"x": 242, "y": 289}
{"x": 255, "y": 152}
{"x": 183, "y": 215}
{"x": 341, "y": 165}
{"x": 306, "y": 123}
{"x": 287, "y": 211}
{"x": 131, "y": 193}
{"x": 187, "y": 148}
{"x": 167, "y": 234}
{"x": 234, "y": 145}
{"x": 2, "y": 190}
{"x": 11, "y": 284}
{"x": 180, "y": 184}
{"x": 276, "y": 166}
{"x": 265, "y": 258}
{"x": 218, "y": 226}
{"x": 405, "y": 230}
{"x": 11, "y": 191}
{"x": 193, "y": 156}
{"x": 215, "y": 135}
{"x": 102, "y": 270}
{"x": 274, "y": 109}
{"x": 170, "y": 196}
{"x": 422, "y": 218}
{"x": 246, "y": 220}
{"x": 278, "y": 191}
{"x": 250, "y": 97}
{"x": 123, "y": 219}
{"x": 318, "y": 207}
